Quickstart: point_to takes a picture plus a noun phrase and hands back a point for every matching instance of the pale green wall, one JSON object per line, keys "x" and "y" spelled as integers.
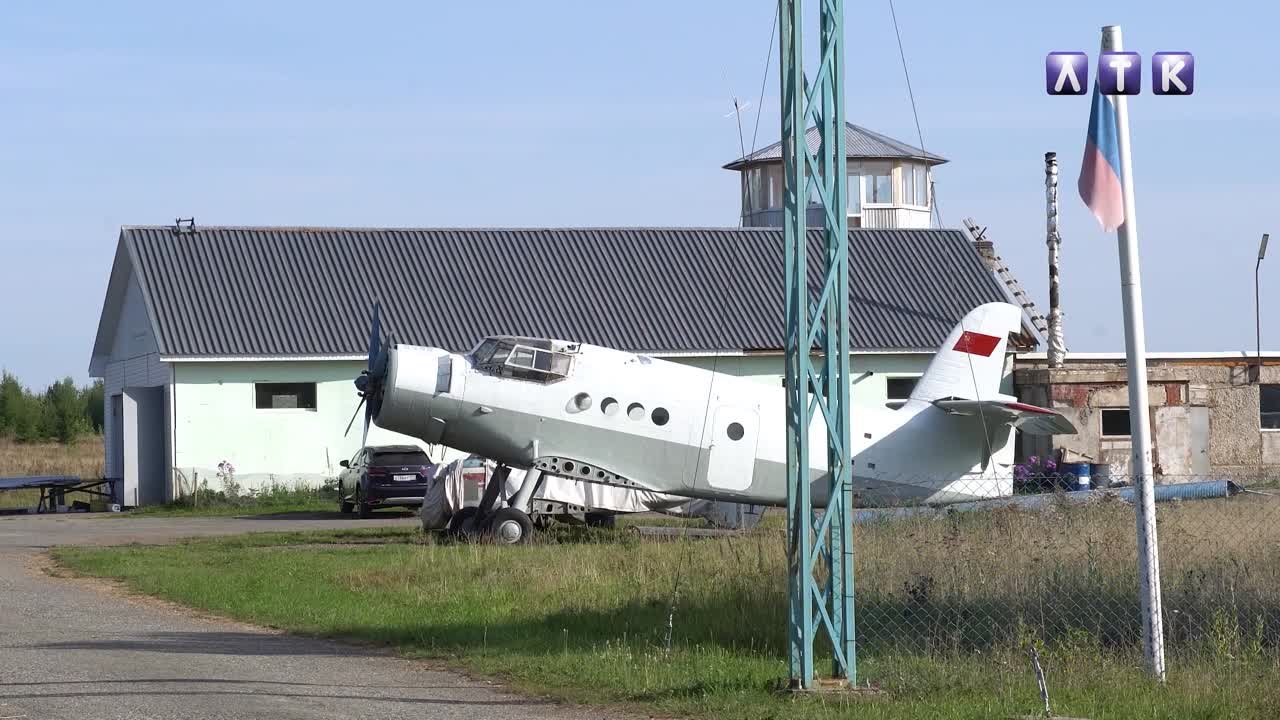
{"x": 216, "y": 420}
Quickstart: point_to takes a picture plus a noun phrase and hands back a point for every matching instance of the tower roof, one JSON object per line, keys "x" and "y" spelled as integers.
{"x": 859, "y": 143}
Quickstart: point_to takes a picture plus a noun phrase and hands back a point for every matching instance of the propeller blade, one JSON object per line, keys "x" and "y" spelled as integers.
{"x": 368, "y": 412}
{"x": 375, "y": 335}
{"x": 353, "y": 417}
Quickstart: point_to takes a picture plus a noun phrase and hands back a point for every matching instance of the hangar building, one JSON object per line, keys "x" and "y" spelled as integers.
{"x": 240, "y": 344}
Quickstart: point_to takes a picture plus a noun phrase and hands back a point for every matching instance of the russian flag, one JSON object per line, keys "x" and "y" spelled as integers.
{"x": 1100, "y": 180}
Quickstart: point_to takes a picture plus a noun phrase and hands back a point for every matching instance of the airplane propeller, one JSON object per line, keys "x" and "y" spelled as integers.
{"x": 369, "y": 382}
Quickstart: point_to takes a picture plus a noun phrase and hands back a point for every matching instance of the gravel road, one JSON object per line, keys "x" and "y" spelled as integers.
{"x": 73, "y": 648}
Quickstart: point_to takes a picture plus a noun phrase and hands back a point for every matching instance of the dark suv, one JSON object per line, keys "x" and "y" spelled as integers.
{"x": 383, "y": 476}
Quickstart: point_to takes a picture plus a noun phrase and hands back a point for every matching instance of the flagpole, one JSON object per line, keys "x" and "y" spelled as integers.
{"x": 1139, "y": 412}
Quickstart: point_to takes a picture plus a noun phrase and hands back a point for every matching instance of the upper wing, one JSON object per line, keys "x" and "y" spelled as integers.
{"x": 1027, "y": 418}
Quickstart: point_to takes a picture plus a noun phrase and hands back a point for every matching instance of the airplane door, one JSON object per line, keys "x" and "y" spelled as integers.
{"x": 731, "y": 454}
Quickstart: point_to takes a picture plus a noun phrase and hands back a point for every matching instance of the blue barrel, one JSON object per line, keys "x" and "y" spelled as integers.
{"x": 1078, "y": 475}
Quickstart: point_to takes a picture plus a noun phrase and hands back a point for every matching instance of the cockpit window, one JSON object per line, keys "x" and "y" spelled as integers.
{"x": 526, "y": 359}
{"x": 483, "y": 354}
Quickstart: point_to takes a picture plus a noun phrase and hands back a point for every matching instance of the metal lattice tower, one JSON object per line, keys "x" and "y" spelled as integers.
{"x": 819, "y": 547}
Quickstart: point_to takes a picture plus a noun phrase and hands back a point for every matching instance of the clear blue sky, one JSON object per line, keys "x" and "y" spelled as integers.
{"x": 601, "y": 113}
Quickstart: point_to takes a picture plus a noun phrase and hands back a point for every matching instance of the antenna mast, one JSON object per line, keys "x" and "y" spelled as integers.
{"x": 1057, "y": 346}
{"x": 820, "y": 602}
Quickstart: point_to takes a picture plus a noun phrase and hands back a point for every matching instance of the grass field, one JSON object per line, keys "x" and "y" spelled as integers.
{"x": 84, "y": 458}
{"x": 265, "y": 501}
{"x": 947, "y": 608}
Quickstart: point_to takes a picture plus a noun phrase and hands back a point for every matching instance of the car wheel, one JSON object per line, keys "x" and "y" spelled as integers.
{"x": 363, "y": 510}
{"x": 345, "y": 506}
{"x": 510, "y": 526}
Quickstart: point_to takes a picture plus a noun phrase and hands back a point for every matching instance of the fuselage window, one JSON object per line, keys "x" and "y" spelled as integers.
{"x": 609, "y": 406}
{"x": 735, "y": 431}
{"x": 579, "y": 402}
{"x": 660, "y": 416}
{"x": 635, "y": 411}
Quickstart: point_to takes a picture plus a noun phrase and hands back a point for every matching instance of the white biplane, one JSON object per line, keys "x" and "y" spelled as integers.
{"x": 590, "y": 413}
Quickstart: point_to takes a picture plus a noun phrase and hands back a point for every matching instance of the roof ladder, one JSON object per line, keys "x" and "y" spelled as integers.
{"x": 987, "y": 251}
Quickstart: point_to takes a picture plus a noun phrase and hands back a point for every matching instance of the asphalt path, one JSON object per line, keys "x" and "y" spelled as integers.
{"x": 78, "y": 649}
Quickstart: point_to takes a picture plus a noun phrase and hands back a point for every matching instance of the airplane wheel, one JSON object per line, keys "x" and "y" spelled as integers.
{"x": 601, "y": 520}
{"x": 462, "y": 524}
{"x": 510, "y": 526}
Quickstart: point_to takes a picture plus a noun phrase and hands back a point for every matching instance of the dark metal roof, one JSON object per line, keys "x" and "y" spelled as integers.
{"x": 859, "y": 143}
{"x": 264, "y": 291}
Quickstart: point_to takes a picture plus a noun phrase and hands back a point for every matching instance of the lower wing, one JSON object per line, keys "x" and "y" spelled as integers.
{"x": 1027, "y": 418}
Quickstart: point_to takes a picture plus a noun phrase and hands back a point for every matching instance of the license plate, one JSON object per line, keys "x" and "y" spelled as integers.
{"x": 405, "y": 478}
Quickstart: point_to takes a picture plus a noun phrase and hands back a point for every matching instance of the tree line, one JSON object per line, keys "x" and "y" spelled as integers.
{"x": 62, "y": 412}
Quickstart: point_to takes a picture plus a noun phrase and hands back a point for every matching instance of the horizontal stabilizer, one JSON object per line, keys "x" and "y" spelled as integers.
{"x": 1027, "y": 418}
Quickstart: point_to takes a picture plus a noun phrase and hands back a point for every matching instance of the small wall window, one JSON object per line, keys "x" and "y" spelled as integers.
{"x": 277, "y": 396}
{"x": 1115, "y": 423}
{"x": 898, "y": 390}
{"x": 1269, "y": 409}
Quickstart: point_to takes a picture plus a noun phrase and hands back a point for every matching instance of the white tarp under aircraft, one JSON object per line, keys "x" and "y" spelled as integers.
{"x": 459, "y": 484}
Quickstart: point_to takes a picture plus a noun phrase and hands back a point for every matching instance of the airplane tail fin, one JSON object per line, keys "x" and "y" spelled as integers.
{"x": 970, "y": 364}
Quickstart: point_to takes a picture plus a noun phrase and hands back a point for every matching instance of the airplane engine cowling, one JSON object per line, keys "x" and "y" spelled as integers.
{"x": 411, "y": 401}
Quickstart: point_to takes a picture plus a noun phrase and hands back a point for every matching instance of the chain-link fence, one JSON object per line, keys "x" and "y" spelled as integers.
{"x": 1053, "y": 566}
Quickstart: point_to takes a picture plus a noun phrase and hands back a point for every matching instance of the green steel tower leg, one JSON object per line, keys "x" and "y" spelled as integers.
{"x": 817, "y": 388}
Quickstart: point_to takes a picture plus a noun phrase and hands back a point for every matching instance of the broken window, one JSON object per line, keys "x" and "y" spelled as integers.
{"x": 1269, "y": 407}
{"x": 280, "y": 396}
{"x": 1115, "y": 422}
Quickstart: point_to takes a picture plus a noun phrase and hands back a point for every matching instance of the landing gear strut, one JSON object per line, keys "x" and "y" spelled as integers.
{"x": 510, "y": 525}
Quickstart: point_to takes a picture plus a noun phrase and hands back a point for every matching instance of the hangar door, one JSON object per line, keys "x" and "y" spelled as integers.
{"x": 141, "y": 438}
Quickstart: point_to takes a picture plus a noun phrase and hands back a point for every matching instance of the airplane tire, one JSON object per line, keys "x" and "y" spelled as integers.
{"x": 461, "y": 524}
{"x": 509, "y": 526}
{"x": 601, "y": 520}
